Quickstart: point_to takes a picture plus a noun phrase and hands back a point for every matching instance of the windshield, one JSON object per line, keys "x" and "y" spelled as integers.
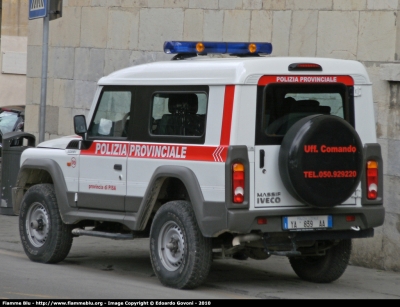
{"x": 7, "y": 121}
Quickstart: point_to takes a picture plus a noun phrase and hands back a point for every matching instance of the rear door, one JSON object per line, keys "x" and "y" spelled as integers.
{"x": 282, "y": 101}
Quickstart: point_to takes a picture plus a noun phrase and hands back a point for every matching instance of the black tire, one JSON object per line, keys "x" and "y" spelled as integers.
{"x": 44, "y": 236}
{"x": 186, "y": 262}
{"x": 323, "y": 269}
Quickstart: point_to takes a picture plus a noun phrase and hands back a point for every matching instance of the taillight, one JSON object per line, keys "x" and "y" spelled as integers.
{"x": 350, "y": 218}
{"x": 372, "y": 179}
{"x": 238, "y": 183}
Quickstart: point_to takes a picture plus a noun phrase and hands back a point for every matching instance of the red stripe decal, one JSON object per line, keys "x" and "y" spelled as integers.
{"x": 157, "y": 151}
{"x": 264, "y": 80}
{"x": 227, "y": 116}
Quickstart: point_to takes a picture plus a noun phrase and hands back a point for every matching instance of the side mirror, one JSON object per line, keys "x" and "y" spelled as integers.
{"x": 80, "y": 126}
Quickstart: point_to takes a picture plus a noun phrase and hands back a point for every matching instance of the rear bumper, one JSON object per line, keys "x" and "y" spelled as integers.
{"x": 366, "y": 217}
{"x": 331, "y": 235}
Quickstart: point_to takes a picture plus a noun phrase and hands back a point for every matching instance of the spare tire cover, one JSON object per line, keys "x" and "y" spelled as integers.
{"x": 320, "y": 160}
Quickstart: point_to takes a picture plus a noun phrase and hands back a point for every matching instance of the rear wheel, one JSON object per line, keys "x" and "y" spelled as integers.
{"x": 45, "y": 238}
{"x": 181, "y": 256}
{"x": 326, "y": 268}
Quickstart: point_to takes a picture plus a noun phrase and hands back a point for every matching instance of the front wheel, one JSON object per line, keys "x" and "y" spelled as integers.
{"x": 326, "y": 268}
{"x": 45, "y": 238}
{"x": 180, "y": 255}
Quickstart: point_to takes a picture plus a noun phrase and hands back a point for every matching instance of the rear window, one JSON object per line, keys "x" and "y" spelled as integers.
{"x": 280, "y": 106}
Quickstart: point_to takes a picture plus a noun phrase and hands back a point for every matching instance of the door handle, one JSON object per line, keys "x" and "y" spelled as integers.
{"x": 118, "y": 167}
{"x": 262, "y": 156}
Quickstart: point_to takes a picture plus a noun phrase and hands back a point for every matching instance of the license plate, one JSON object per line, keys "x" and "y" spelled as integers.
{"x": 307, "y": 222}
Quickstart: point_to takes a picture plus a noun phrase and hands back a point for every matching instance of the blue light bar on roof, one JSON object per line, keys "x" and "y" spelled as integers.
{"x": 178, "y": 47}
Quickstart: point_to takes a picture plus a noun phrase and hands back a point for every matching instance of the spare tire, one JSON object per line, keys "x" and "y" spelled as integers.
{"x": 320, "y": 160}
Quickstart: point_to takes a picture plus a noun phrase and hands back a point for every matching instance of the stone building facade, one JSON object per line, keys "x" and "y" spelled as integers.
{"x": 13, "y": 52}
{"x": 96, "y": 37}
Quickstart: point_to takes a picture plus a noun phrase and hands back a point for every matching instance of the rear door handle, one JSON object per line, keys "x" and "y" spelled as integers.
{"x": 118, "y": 167}
{"x": 262, "y": 156}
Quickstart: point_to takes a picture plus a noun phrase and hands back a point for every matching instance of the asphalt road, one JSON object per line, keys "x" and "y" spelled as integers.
{"x": 99, "y": 268}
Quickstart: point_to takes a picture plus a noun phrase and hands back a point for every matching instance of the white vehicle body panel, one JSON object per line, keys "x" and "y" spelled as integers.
{"x": 222, "y": 71}
{"x": 134, "y": 178}
{"x": 95, "y": 174}
{"x": 364, "y": 115}
{"x": 209, "y": 174}
{"x": 214, "y": 122}
{"x": 63, "y": 157}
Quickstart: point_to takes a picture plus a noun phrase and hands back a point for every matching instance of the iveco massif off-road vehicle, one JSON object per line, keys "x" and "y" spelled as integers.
{"x": 239, "y": 155}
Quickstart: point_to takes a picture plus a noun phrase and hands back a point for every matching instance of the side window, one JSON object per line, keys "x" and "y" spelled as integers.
{"x": 179, "y": 114}
{"x": 112, "y": 115}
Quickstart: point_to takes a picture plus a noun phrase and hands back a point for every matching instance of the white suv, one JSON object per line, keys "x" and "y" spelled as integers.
{"x": 241, "y": 155}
